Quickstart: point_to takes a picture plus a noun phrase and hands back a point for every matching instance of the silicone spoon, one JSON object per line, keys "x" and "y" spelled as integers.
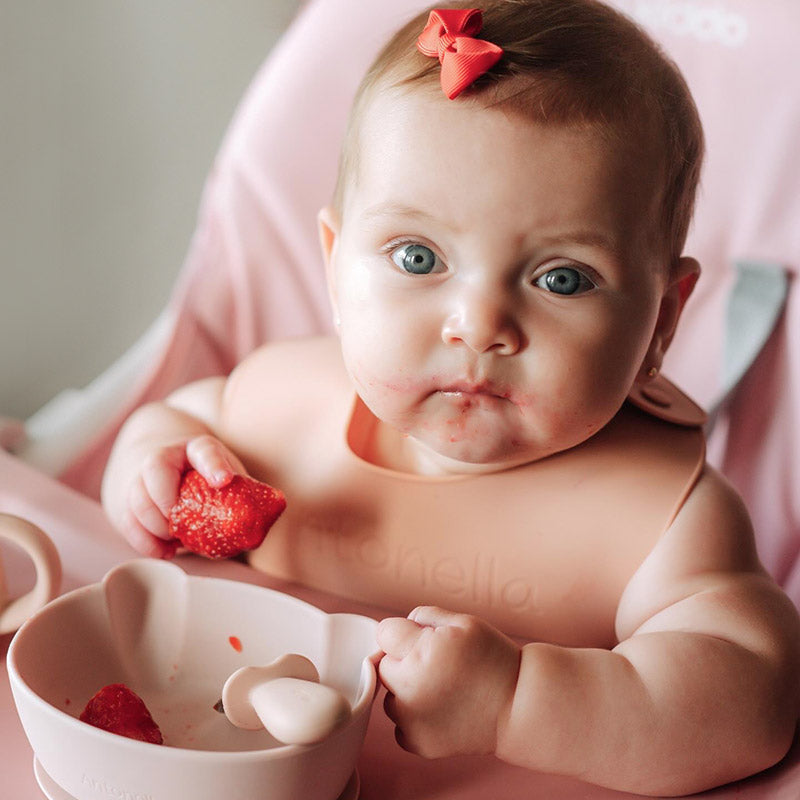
{"x": 286, "y": 698}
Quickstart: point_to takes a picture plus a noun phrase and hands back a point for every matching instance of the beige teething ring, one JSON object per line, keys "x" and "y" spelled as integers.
{"x": 35, "y": 542}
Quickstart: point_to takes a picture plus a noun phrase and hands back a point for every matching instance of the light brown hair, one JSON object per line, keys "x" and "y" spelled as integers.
{"x": 565, "y": 62}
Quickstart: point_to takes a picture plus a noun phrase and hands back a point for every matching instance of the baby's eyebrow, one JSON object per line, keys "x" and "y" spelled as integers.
{"x": 587, "y": 238}
{"x": 583, "y": 237}
{"x": 396, "y": 210}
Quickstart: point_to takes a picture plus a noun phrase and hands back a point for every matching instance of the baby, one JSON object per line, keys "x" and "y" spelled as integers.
{"x": 489, "y": 433}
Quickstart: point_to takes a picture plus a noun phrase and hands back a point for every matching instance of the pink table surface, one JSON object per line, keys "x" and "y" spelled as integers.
{"x": 89, "y": 548}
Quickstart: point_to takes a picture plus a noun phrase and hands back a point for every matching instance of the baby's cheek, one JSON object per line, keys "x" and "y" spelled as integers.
{"x": 577, "y": 409}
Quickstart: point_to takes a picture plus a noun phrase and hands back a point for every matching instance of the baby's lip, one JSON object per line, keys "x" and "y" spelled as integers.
{"x": 475, "y": 389}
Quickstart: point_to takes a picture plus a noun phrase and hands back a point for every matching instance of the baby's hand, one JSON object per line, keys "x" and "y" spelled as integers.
{"x": 154, "y": 490}
{"x": 450, "y": 680}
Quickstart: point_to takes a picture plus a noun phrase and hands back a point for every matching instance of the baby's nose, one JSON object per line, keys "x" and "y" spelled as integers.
{"x": 484, "y": 324}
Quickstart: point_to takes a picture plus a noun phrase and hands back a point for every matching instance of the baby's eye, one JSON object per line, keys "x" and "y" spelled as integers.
{"x": 564, "y": 280}
{"x": 416, "y": 259}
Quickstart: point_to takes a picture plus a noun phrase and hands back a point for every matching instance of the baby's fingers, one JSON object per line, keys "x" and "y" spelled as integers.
{"x": 143, "y": 541}
{"x": 213, "y": 460}
{"x": 397, "y": 636}
{"x": 159, "y": 483}
{"x": 437, "y": 617}
{"x": 144, "y": 512}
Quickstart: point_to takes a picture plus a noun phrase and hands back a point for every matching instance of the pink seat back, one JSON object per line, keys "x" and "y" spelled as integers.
{"x": 739, "y": 59}
{"x": 254, "y": 271}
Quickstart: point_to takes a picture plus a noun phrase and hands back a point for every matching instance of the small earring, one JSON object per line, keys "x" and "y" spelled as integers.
{"x": 652, "y": 372}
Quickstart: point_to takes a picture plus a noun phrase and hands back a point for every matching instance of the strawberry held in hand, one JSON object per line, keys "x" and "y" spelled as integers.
{"x": 220, "y": 523}
{"x": 118, "y": 709}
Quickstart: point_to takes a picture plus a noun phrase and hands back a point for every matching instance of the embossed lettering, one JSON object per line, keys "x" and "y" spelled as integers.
{"x": 373, "y": 552}
{"x": 103, "y": 788}
{"x": 476, "y": 576}
{"x": 447, "y": 574}
{"x": 410, "y": 556}
{"x": 516, "y": 594}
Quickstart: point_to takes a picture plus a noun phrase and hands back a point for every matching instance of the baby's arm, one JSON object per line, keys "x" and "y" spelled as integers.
{"x": 701, "y": 690}
{"x": 155, "y": 446}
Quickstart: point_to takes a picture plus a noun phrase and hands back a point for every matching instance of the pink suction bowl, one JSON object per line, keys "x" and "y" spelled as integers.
{"x": 175, "y": 639}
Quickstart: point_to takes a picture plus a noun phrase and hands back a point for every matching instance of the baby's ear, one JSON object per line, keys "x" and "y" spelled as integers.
{"x": 688, "y": 273}
{"x": 680, "y": 286}
{"x": 328, "y": 226}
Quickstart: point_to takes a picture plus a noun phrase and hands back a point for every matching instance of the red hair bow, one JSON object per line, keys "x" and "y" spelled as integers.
{"x": 450, "y": 37}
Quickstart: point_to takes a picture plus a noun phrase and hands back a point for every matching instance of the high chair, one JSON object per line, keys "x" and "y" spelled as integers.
{"x": 254, "y": 271}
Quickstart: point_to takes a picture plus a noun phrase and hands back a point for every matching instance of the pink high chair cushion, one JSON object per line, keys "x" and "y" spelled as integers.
{"x": 254, "y": 271}
{"x": 738, "y": 58}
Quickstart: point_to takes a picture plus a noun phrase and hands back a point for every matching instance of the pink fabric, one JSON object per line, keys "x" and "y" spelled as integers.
{"x": 254, "y": 271}
{"x": 738, "y": 58}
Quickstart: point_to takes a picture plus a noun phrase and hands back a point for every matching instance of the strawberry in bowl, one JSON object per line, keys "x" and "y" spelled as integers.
{"x": 118, "y": 709}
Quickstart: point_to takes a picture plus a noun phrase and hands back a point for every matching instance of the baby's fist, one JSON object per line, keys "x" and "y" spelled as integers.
{"x": 155, "y": 489}
{"x": 450, "y": 678}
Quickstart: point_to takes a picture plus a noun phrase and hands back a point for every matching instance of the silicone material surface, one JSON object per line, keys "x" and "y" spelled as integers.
{"x": 295, "y": 711}
{"x": 286, "y": 698}
{"x": 238, "y": 691}
{"x": 397, "y": 540}
{"x": 35, "y": 542}
{"x": 174, "y": 640}
{"x": 52, "y": 791}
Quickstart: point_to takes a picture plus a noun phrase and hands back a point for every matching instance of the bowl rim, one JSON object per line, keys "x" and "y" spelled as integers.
{"x": 368, "y": 679}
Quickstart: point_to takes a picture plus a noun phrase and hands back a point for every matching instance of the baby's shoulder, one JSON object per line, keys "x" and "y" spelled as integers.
{"x": 293, "y": 357}
{"x": 287, "y": 377}
{"x": 714, "y": 524}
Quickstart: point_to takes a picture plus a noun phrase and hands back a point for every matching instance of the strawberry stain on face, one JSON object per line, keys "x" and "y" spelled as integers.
{"x": 236, "y": 643}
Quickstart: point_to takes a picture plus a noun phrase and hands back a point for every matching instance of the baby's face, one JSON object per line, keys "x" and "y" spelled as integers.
{"x": 495, "y": 280}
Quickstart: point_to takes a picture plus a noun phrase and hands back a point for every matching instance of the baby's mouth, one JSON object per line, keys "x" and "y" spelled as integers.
{"x": 467, "y": 391}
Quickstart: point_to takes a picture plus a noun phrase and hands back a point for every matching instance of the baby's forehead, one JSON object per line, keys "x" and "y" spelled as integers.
{"x": 432, "y": 165}
{"x": 401, "y": 124}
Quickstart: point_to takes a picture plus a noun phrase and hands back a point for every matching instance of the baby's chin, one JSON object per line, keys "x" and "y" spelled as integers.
{"x": 467, "y": 458}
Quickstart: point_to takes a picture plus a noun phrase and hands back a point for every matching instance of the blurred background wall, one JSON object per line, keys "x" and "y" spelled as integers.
{"x": 111, "y": 112}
